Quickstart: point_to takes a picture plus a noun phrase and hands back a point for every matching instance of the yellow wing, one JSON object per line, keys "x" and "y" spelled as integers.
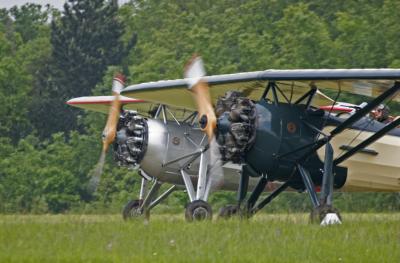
{"x": 293, "y": 83}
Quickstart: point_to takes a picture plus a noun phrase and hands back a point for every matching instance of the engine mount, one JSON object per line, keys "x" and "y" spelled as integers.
{"x": 236, "y": 127}
{"x": 131, "y": 139}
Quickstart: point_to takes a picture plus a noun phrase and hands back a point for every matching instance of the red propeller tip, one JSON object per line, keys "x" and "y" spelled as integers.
{"x": 118, "y": 83}
{"x": 120, "y": 78}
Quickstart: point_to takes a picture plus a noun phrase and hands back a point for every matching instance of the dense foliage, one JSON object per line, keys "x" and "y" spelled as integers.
{"x": 48, "y": 56}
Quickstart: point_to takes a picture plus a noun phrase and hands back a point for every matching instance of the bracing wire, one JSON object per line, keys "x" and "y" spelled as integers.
{"x": 291, "y": 92}
{"x": 355, "y": 137}
{"x": 360, "y": 132}
{"x": 330, "y": 110}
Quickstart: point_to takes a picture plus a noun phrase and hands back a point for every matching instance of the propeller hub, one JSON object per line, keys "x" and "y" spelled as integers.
{"x": 203, "y": 121}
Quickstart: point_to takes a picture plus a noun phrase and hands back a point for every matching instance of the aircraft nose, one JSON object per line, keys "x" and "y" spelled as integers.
{"x": 131, "y": 139}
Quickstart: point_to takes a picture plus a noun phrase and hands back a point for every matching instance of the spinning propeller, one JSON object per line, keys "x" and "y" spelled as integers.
{"x": 109, "y": 131}
{"x": 194, "y": 73}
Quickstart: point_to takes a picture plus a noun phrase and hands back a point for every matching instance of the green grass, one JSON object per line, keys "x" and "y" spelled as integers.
{"x": 168, "y": 238}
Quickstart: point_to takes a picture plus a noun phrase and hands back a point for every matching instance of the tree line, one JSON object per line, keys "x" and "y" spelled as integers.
{"x": 48, "y": 56}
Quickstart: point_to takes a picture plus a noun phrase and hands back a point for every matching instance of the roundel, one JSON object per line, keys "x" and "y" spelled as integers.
{"x": 176, "y": 141}
{"x": 291, "y": 127}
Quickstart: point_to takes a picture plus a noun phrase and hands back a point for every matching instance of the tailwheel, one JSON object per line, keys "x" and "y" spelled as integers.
{"x": 325, "y": 215}
{"x": 132, "y": 209}
{"x": 198, "y": 210}
{"x": 228, "y": 211}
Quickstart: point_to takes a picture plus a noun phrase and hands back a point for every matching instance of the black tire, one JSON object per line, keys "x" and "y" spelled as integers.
{"x": 228, "y": 211}
{"x": 198, "y": 210}
{"x": 318, "y": 214}
{"x": 132, "y": 210}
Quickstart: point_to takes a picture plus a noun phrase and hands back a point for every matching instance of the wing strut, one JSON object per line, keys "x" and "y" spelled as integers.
{"x": 354, "y": 118}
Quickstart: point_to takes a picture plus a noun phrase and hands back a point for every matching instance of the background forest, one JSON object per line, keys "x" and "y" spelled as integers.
{"x": 47, "y": 56}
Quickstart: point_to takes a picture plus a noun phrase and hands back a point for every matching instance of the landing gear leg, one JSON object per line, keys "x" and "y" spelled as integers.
{"x": 309, "y": 185}
{"x": 255, "y": 195}
{"x": 252, "y": 205}
{"x": 198, "y": 208}
{"x": 243, "y": 186}
{"x": 147, "y": 201}
{"x": 133, "y": 208}
{"x": 326, "y": 214}
{"x": 323, "y": 212}
{"x": 228, "y": 211}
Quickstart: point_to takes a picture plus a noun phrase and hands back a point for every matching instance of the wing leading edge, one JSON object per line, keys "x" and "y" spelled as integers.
{"x": 102, "y": 103}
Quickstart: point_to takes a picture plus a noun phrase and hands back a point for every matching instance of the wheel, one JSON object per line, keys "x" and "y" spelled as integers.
{"x": 197, "y": 211}
{"x": 318, "y": 214}
{"x": 132, "y": 209}
{"x": 228, "y": 211}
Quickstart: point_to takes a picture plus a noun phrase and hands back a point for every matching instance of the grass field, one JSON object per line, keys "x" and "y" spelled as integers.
{"x": 168, "y": 238}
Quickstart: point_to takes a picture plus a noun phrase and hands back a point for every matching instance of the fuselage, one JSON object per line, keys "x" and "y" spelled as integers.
{"x": 283, "y": 129}
{"x": 282, "y": 135}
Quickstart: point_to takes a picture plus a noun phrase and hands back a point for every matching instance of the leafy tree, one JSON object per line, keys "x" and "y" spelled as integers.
{"x": 20, "y": 62}
{"x": 302, "y": 40}
{"x": 360, "y": 42}
{"x": 30, "y": 20}
{"x": 14, "y": 90}
{"x": 85, "y": 40}
{"x": 387, "y": 21}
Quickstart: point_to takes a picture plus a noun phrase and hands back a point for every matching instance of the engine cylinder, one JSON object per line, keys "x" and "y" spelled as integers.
{"x": 236, "y": 125}
{"x": 131, "y": 139}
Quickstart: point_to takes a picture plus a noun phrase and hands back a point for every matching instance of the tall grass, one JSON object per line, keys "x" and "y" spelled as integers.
{"x": 167, "y": 238}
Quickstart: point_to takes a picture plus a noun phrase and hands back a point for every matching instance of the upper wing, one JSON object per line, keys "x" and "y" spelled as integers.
{"x": 145, "y": 108}
{"x": 102, "y": 103}
{"x": 368, "y": 82}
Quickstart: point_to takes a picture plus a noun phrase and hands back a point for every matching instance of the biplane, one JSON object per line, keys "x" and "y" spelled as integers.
{"x": 254, "y": 131}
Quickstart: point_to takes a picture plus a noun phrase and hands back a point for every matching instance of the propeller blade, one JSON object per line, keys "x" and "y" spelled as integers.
{"x": 215, "y": 171}
{"x": 109, "y": 131}
{"x": 194, "y": 73}
{"x": 96, "y": 173}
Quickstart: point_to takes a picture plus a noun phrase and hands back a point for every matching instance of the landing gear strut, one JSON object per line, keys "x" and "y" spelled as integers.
{"x": 198, "y": 209}
{"x": 147, "y": 200}
{"x": 323, "y": 212}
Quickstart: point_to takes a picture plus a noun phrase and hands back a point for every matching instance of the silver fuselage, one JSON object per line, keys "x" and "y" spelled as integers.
{"x": 169, "y": 142}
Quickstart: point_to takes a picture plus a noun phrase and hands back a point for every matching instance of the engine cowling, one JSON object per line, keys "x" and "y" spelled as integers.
{"x": 152, "y": 144}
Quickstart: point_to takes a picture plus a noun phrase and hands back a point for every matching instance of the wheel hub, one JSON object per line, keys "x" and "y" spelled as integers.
{"x": 198, "y": 210}
{"x": 200, "y": 213}
{"x": 135, "y": 212}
